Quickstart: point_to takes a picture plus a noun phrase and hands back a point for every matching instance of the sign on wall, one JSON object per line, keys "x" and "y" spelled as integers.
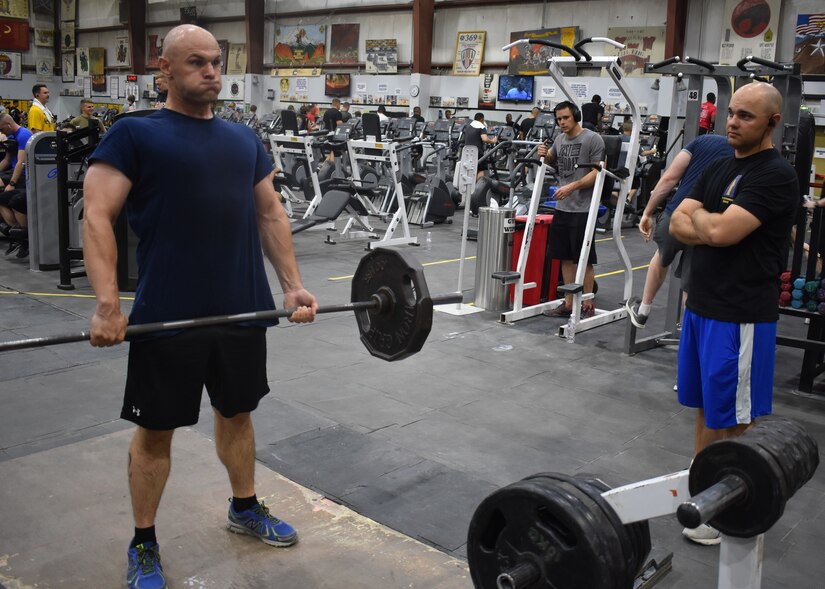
{"x": 67, "y": 35}
{"x": 382, "y": 56}
{"x": 469, "y": 52}
{"x": 11, "y": 65}
{"x": 45, "y": 69}
{"x": 67, "y": 67}
{"x": 14, "y": 34}
{"x": 487, "y": 86}
{"x": 44, "y": 37}
{"x": 531, "y": 60}
{"x": 68, "y": 10}
{"x": 749, "y": 28}
{"x": 300, "y": 45}
{"x": 809, "y": 47}
{"x": 237, "y": 59}
{"x": 82, "y": 62}
{"x": 14, "y": 9}
{"x": 97, "y": 69}
{"x": 122, "y": 57}
{"x": 642, "y": 45}
{"x": 343, "y": 43}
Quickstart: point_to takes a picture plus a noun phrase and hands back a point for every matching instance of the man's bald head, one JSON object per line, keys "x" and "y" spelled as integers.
{"x": 764, "y": 94}
{"x": 7, "y": 123}
{"x": 184, "y": 36}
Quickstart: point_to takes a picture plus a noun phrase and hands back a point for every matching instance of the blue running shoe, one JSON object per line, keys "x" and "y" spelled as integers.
{"x": 260, "y": 523}
{"x": 145, "y": 570}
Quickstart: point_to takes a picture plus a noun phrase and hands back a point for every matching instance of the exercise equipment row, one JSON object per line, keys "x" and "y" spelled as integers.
{"x": 561, "y": 532}
{"x": 390, "y": 298}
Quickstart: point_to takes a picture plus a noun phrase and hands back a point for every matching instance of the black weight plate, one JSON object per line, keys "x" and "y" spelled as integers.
{"x": 638, "y": 532}
{"x": 621, "y": 551}
{"x": 541, "y": 523}
{"x": 787, "y": 455}
{"x": 400, "y": 331}
{"x": 793, "y": 448}
{"x": 762, "y": 506}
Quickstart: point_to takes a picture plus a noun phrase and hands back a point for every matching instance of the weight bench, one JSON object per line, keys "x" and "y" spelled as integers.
{"x": 331, "y": 206}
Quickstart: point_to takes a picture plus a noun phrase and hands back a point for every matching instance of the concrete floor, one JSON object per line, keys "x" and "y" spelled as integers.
{"x": 411, "y": 446}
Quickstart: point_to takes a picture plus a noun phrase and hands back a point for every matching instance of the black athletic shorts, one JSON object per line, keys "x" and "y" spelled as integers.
{"x": 564, "y": 241}
{"x": 14, "y": 199}
{"x": 166, "y": 375}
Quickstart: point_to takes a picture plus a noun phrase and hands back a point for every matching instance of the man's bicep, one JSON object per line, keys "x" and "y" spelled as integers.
{"x": 105, "y": 189}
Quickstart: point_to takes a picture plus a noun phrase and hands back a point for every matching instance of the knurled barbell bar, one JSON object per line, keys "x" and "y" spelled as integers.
{"x": 392, "y": 304}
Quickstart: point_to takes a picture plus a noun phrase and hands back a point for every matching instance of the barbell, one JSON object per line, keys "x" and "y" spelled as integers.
{"x": 392, "y": 305}
{"x": 555, "y": 531}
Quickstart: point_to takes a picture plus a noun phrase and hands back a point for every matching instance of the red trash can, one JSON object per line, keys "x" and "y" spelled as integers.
{"x": 545, "y": 276}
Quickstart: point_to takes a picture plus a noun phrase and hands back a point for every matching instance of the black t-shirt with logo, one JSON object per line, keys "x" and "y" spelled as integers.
{"x": 740, "y": 283}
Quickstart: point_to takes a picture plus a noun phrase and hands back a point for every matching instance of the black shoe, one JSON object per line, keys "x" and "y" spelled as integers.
{"x": 12, "y": 247}
{"x": 19, "y": 233}
{"x": 5, "y": 228}
{"x": 636, "y": 318}
{"x": 23, "y": 251}
{"x": 560, "y": 312}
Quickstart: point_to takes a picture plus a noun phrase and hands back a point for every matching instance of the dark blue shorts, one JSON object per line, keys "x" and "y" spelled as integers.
{"x": 726, "y": 369}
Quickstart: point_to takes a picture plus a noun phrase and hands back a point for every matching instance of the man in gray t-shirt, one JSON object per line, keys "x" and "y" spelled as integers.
{"x": 575, "y": 145}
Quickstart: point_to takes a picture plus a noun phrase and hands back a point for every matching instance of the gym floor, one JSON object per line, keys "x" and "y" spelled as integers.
{"x": 379, "y": 465}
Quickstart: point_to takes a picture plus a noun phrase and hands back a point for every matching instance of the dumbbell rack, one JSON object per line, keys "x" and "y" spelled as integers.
{"x": 813, "y": 344}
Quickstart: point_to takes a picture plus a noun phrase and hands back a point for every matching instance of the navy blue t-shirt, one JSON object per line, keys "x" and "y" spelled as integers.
{"x": 703, "y": 150}
{"x": 192, "y": 206}
{"x": 22, "y": 137}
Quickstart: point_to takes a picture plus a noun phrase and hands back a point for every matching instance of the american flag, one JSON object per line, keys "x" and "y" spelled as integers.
{"x": 810, "y": 25}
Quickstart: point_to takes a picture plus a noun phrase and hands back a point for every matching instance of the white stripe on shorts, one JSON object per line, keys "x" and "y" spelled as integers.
{"x": 743, "y": 385}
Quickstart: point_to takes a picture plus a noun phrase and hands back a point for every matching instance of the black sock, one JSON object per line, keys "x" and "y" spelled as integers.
{"x": 143, "y": 535}
{"x": 240, "y": 504}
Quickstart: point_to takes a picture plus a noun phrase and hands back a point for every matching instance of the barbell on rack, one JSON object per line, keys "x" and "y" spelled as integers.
{"x": 392, "y": 305}
{"x": 555, "y": 531}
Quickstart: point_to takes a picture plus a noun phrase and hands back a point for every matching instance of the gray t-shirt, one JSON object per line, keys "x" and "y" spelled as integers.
{"x": 586, "y": 147}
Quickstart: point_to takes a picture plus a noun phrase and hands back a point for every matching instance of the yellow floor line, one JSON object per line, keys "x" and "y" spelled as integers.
{"x": 349, "y": 277}
{"x": 56, "y": 294}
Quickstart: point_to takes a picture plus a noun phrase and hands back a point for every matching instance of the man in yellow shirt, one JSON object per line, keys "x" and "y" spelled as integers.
{"x": 40, "y": 117}
{"x": 85, "y": 118}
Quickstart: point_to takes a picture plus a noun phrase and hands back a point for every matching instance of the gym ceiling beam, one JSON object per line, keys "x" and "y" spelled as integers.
{"x": 423, "y": 17}
{"x": 254, "y": 24}
{"x": 675, "y": 30}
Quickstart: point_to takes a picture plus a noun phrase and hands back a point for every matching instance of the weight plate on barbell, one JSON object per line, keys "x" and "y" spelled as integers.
{"x": 545, "y": 524}
{"x": 618, "y": 547}
{"x": 764, "y": 502}
{"x": 639, "y": 532}
{"x": 401, "y": 328}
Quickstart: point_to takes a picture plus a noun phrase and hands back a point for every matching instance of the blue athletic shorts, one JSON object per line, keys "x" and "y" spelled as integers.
{"x": 726, "y": 369}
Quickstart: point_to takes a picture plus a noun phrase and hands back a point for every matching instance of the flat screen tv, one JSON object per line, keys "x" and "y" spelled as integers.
{"x": 337, "y": 85}
{"x": 515, "y": 88}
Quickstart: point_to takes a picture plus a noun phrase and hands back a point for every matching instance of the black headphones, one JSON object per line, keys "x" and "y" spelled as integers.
{"x": 577, "y": 114}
